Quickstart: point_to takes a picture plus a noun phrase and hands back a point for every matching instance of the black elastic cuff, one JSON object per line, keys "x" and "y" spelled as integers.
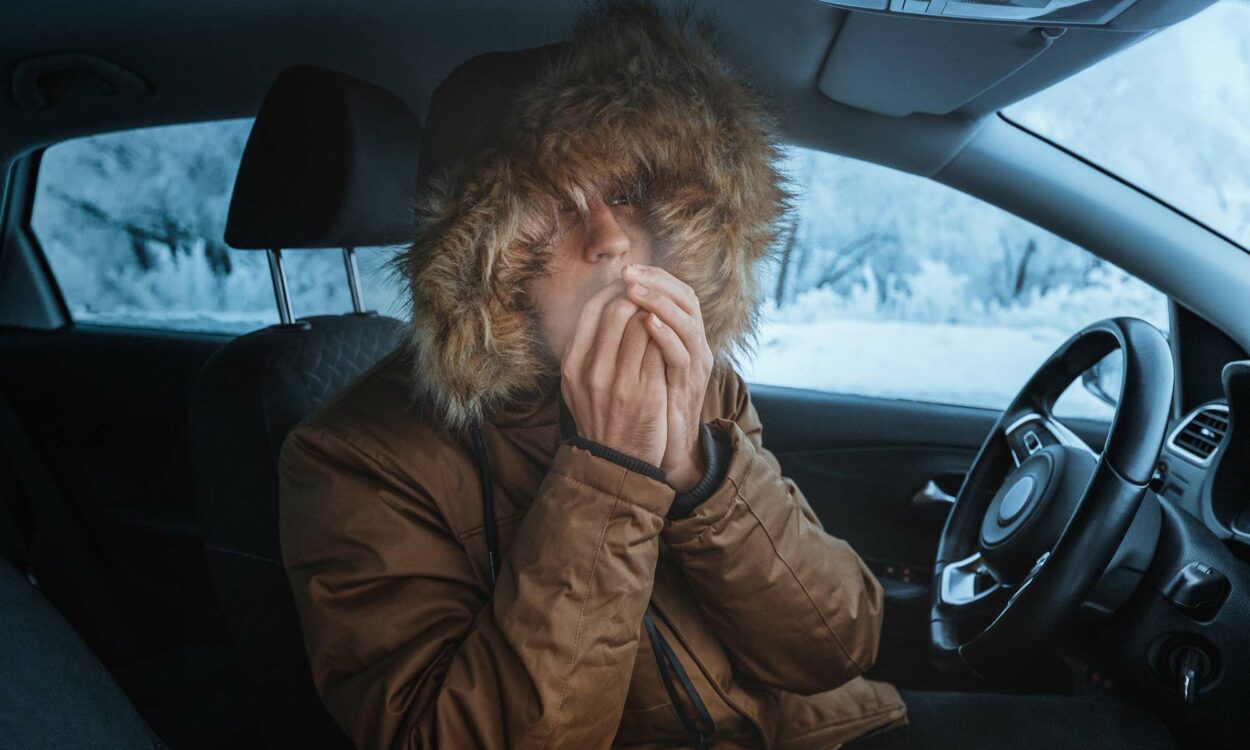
{"x": 716, "y": 449}
{"x": 615, "y": 456}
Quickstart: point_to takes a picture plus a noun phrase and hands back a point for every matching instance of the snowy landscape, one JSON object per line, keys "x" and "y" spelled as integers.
{"x": 885, "y": 284}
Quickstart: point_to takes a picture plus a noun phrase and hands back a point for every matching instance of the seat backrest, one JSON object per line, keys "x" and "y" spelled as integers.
{"x": 53, "y": 690}
{"x": 45, "y": 537}
{"x": 247, "y": 397}
{"x": 350, "y": 149}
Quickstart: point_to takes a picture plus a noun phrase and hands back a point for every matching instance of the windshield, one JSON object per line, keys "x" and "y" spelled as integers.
{"x": 1170, "y": 114}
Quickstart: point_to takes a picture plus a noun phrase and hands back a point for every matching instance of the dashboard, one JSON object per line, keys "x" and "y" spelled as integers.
{"x": 1203, "y": 467}
{"x": 1181, "y": 640}
{"x": 1173, "y": 608}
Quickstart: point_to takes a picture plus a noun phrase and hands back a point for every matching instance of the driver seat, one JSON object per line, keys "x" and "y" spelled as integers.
{"x": 331, "y": 162}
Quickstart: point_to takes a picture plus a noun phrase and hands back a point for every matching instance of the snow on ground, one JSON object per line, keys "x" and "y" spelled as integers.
{"x": 971, "y": 365}
{"x": 180, "y": 320}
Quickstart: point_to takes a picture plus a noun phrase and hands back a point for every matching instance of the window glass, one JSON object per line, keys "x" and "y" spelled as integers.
{"x": 317, "y": 281}
{"x": 1170, "y": 114}
{"x": 892, "y": 285}
{"x": 132, "y": 224}
{"x": 382, "y": 289}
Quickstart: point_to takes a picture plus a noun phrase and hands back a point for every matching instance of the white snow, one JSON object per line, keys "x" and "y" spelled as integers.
{"x": 970, "y": 365}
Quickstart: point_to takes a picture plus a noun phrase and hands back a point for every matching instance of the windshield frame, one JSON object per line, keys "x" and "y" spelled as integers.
{"x": 1124, "y": 181}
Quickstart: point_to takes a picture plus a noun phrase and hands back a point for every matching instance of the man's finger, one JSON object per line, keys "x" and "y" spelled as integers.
{"x": 676, "y": 356}
{"x": 607, "y": 344}
{"x": 673, "y": 316}
{"x": 655, "y": 277}
{"x": 634, "y": 345}
{"x": 653, "y": 363}
{"x": 588, "y": 324}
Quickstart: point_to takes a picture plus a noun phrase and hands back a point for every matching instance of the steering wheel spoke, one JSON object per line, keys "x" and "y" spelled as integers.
{"x": 968, "y": 582}
{"x": 1037, "y": 567}
{"x": 1034, "y": 432}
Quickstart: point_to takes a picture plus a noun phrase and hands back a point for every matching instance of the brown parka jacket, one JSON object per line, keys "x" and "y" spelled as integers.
{"x": 382, "y": 528}
{"x": 773, "y": 618}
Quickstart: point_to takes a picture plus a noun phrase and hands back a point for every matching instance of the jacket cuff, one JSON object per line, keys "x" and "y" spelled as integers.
{"x": 716, "y": 454}
{"x": 618, "y": 458}
{"x": 610, "y": 479}
{"x": 738, "y": 460}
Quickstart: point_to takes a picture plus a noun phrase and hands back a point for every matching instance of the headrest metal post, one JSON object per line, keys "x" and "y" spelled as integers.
{"x": 280, "y": 293}
{"x": 353, "y": 282}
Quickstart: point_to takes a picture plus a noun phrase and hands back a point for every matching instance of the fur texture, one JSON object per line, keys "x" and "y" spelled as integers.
{"x": 635, "y": 102}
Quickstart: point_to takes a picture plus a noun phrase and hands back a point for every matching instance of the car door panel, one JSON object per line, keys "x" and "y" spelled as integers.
{"x": 106, "y": 409}
{"x": 861, "y": 462}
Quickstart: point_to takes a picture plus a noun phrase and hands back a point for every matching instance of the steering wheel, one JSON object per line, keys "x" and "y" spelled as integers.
{"x": 1040, "y": 514}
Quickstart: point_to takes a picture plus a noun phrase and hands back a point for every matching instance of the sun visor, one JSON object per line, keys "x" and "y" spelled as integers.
{"x": 933, "y": 68}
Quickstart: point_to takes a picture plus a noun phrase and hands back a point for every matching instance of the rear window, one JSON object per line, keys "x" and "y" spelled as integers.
{"x": 132, "y": 224}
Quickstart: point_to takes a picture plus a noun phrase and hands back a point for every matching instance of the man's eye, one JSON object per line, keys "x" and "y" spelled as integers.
{"x": 622, "y": 200}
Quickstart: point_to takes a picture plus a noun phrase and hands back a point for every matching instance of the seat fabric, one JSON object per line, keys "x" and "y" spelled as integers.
{"x": 245, "y": 401}
{"x": 53, "y": 690}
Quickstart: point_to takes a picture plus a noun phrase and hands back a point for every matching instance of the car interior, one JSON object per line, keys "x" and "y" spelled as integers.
{"x": 138, "y": 487}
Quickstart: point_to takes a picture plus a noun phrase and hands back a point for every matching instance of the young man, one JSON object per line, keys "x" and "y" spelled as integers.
{"x": 550, "y": 520}
{"x": 590, "y": 215}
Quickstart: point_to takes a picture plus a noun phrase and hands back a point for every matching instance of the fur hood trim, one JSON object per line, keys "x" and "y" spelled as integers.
{"x": 633, "y": 102}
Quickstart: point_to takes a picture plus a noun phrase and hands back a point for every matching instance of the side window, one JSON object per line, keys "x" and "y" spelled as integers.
{"x": 132, "y": 225}
{"x": 891, "y": 285}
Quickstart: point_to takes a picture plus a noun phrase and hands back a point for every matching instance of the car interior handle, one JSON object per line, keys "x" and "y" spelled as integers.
{"x": 932, "y": 497}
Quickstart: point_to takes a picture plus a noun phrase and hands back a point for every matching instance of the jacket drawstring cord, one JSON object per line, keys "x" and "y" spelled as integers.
{"x": 665, "y": 657}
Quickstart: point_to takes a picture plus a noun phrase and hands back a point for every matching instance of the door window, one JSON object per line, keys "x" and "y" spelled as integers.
{"x": 891, "y": 285}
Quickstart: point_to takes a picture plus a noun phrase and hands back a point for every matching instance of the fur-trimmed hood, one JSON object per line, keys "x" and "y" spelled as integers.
{"x": 631, "y": 101}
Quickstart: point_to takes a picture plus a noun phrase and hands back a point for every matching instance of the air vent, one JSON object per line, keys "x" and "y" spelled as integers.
{"x": 1201, "y": 433}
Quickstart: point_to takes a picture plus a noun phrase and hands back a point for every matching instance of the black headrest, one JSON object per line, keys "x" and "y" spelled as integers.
{"x": 331, "y": 162}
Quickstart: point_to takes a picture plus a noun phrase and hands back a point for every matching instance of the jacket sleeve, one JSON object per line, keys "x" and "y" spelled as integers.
{"x": 796, "y": 607}
{"x": 407, "y": 647}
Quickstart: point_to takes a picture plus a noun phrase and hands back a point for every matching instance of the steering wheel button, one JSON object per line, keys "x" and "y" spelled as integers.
{"x": 1032, "y": 443}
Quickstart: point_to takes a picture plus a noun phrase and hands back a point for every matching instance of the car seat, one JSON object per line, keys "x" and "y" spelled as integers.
{"x": 331, "y": 162}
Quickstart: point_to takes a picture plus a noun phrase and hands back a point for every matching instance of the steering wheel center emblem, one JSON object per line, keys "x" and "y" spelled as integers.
{"x": 1016, "y": 500}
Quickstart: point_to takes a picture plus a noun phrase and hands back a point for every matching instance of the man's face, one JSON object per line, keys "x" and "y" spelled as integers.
{"x": 587, "y": 254}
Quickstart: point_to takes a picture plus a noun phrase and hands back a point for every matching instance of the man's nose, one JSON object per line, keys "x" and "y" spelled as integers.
{"x": 605, "y": 238}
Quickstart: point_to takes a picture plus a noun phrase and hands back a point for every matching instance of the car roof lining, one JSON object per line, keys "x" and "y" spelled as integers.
{"x": 409, "y": 50}
{"x": 406, "y": 47}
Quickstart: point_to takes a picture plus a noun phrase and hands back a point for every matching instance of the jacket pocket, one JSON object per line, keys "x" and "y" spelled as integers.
{"x": 648, "y": 714}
